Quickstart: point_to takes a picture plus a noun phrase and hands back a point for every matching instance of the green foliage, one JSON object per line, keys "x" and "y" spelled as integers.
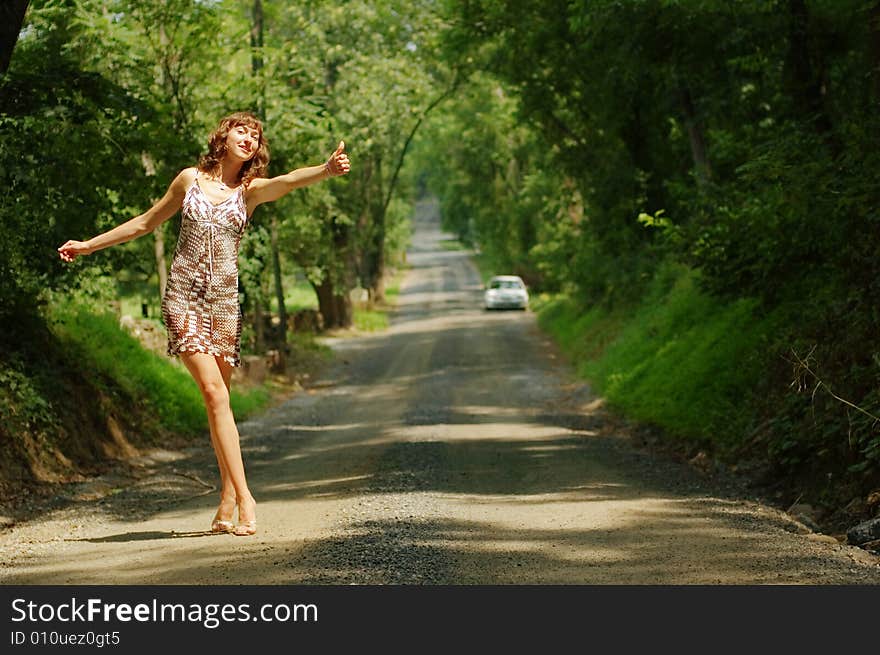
{"x": 497, "y": 189}
{"x": 24, "y": 407}
{"x": 50, "y": 114}
{"x": 102, "y": 347}
{"x": 160, "y": 385}
{"x": 680, "y": 359}
{"x": 726, "y": 136}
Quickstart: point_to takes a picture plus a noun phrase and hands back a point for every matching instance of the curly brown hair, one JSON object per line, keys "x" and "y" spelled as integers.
{"x": 256, "y": 166}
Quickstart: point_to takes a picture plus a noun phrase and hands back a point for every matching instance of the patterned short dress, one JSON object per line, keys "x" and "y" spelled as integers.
{"x": 200, "y": 307}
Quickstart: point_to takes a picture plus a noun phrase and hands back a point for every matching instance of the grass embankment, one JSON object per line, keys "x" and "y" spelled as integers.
{"x": 164, "y": 387}
{"x": 679, "y": 359}
{"x": 716, "y": 376}
{"x": 79, "y": 391}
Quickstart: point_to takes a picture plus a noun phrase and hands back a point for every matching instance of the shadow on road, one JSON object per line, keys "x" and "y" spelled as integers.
{"x": 152, "y": 535}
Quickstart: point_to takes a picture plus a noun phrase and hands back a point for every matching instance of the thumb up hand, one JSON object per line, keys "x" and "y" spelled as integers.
{"x": 338, "y": 163}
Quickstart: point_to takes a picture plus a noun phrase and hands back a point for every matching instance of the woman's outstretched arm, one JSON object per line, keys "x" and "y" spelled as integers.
{"x": 268, "y": 189}
{"x": 138, "y": 226}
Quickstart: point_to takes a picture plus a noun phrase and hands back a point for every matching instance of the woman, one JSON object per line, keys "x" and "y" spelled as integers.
{"x": 200, "y": 307}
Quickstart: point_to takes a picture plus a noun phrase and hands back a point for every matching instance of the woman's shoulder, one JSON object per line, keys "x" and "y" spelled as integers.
{"x": 184, "y": 179}
{"x": 256, "y": 183}
{"x": 188, "y": 174}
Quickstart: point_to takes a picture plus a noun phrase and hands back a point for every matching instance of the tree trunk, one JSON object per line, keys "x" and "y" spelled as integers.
{"x": 171, "y": 80}
{"x": 259, "y": 331}
{"x": 805, "y": 85}
{"x": 326, "y": 306}
{"x": 376, "y": 245}
{"x": 695, "y": 135}
{"x": 257, "y": 53}
{"x": 633, "y": 135}
{"x": 376, "y": 255}
{"x": 257, "y": 37}
{"x": 256, "y": 65}
{"x": 11, "y": 18}
{"x": 279, "y": 285}
{"x": 344, "y": 310}
{"x": 335, "y": 308}
{"x": 874, "y": 18}
{"x": 378, "y": 290}
{"x": 334, "y": 300}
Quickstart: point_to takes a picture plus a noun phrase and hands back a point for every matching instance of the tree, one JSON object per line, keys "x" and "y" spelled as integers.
{"x": 354, "y": 70}
{"x": 11, "y": 18}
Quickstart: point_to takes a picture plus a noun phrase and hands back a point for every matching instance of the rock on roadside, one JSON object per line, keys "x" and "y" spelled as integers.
{"x": 864, "y": 532}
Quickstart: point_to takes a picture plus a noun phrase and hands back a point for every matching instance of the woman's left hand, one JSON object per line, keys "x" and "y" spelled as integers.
{"x": 72, "y": 249}
{"x": 338, "y": 163}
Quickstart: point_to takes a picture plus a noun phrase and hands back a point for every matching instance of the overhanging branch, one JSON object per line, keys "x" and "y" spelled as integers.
{"x": 448, "y": 92}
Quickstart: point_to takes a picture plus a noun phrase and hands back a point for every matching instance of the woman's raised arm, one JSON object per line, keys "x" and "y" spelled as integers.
{"x": 268, "y": 189}
{"x": 138, "y": 226}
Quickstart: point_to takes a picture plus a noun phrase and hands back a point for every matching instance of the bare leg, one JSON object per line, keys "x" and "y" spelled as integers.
{"x": 212, "y": 376}
{"x": 224, "y": 518}
{"x": 247, "y": 514}
{"x": 226, "y": 510}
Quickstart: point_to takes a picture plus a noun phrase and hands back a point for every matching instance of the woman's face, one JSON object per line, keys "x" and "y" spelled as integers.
{"x": 242, "y": 142}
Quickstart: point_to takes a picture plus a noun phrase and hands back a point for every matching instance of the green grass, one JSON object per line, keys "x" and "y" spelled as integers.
{"x": 375, "y": 317}
{"x": 247, "y": 402}
{"x": 452, "y": 244}
{"x": 298, "y": 294}
{"x": 392, "y": 292}
{"x": 307, "y": 350}
{"x": 370, "y": 320}
{"x": 131, "y": 306}
{"x": 680, "y": 359}
{"x": 160, "y": 384}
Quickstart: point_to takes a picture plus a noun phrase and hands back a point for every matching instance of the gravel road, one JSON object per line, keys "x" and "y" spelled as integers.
{"x": 455, "y": 448}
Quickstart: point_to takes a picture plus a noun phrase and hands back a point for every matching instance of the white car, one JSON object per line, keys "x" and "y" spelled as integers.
{"x": 506, "y": 291}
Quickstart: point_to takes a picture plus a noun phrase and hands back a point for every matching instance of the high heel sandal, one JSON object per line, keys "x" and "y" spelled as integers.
{"x": 219, "y": 525}
{"x": 245, "y": 528}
